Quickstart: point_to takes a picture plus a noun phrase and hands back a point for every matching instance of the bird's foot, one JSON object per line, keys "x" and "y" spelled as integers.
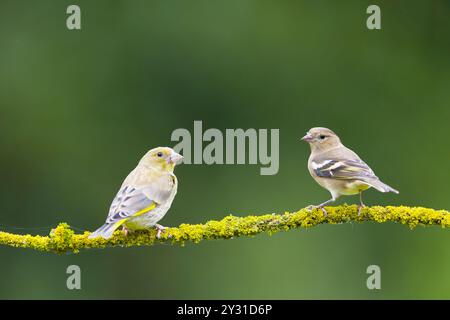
{"x": 125, "y": 231}
{"x": 160, "y": 228}
{"x": 312, "y": 207}
{"x": 362, "y": 205}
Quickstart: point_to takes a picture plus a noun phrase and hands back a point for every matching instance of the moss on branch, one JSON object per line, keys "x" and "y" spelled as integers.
{"x": 63, "y": 239}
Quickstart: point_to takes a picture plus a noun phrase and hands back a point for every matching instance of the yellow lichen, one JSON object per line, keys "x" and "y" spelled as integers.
{"x": 63, "y": 239}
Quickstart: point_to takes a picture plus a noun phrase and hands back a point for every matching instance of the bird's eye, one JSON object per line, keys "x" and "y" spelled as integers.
{"x": 322, "y": 137}
{"x": 160, "y": 154}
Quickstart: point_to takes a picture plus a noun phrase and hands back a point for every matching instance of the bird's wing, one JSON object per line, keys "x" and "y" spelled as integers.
{"x": 344, "y": 169}
{"x": 129, "y": 202}
{"x": 134, "y": 201}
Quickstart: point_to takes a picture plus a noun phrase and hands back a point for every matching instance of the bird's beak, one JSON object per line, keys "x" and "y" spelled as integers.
{"x": 175, "y": 158}
{"x": 308, "y": 137}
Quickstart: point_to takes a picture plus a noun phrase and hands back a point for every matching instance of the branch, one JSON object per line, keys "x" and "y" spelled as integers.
{"x": 62, "y": 239}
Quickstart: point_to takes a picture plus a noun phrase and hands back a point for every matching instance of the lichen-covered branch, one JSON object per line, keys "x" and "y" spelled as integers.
{"x": 62, "y": 239}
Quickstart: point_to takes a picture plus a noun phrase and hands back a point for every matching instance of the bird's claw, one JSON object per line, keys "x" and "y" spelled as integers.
{"x": 312, "y": 207}
{"x": 359, "y": 208}
{"x": 160, "y": 228}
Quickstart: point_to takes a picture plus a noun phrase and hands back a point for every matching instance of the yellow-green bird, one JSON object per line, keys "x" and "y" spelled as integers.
{"x": 145, "y": 196}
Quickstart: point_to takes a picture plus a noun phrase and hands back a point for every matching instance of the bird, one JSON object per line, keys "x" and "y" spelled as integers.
{"x": 145, "y": 195}
{"x": 339, "y": 169}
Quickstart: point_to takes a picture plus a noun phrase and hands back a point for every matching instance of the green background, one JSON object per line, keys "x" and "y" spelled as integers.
{"x": 79, "y": 108}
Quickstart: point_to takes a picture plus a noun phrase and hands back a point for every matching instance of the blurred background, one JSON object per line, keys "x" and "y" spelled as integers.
{"x": 79, "y": 108}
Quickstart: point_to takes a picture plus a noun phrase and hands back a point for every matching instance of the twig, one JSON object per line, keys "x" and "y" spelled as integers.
{"x": 63, "y": 239}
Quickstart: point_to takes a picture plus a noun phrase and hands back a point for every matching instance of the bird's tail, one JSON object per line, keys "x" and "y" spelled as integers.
{"x": 105, "y": 231}
{"x": 380, "y": 186}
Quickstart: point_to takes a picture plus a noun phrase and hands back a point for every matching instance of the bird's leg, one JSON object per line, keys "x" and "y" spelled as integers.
{"x": 361, "y": 203}
{"x": 125, "y": 230}
{"x": 321, "y": 206}
{"x": 160, "y": 228}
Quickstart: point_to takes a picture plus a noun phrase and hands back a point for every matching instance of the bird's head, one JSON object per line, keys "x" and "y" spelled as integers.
{"x": 161, "y": 158}
{"x": 321, "y": 139}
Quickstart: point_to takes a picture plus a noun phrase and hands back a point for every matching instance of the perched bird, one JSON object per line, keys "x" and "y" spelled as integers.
{"x": 338, "y": 169}
{"x": 145, "y": 196}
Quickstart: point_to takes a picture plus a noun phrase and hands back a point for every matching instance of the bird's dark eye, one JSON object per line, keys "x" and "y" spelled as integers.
{"x": 322, "y": 137}
{"x": 160, "y": 154}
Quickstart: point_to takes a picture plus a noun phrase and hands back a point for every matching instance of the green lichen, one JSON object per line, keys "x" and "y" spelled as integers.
{"x": 63, "y": 239}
